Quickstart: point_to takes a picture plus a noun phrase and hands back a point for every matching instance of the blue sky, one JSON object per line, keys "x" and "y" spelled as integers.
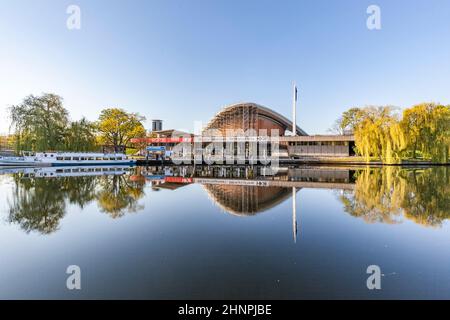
{"x": 181, "y": 61}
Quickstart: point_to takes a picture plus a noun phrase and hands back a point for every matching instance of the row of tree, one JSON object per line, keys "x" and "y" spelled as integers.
{"x": 422, "y": 131}
{"x": 42, "y": 123}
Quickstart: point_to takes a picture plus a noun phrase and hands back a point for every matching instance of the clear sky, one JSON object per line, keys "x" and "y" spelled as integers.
{"x": 181, "y": 61}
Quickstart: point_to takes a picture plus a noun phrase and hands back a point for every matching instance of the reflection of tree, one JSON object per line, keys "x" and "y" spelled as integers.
{"x": 79, "y": 190}
{"x": 428, "y": 198}
{"x": 383, "y": 194}
{"x": 38, "y": 204}
{"x": 118, "y": 195}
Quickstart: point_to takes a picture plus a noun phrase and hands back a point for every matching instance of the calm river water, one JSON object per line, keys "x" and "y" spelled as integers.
{"x": 225, "y": 232}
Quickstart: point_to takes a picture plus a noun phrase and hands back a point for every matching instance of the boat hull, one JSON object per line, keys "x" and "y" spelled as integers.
{"x": 22, "y": 164}
{"x": 87, "y": 163}
{"x": 4, "y": 163}
{"x": 67, "y": 159}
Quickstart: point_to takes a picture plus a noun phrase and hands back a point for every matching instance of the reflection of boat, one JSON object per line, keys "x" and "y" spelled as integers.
{"x": 24, "y": 161}
{"x": 77, "y": 171}
{"x": 48, "y": 159}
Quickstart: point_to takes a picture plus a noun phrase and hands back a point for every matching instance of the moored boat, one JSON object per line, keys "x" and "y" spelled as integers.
{"x": 67, "y": 171}
{"x": 54, "y": 159}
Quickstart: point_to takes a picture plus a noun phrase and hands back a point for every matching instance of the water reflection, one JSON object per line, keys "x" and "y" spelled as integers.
{"x": 244, "y": 200}
{"x": 40, "y": 196}
{"x": 390, "y": 193}
{"x": 118, "y": 195}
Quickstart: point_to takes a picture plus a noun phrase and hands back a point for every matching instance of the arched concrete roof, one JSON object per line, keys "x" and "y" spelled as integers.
{"x": 263, "y": 111}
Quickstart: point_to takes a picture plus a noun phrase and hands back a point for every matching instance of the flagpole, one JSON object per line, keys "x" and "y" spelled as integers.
{"x": 294, "y": 111}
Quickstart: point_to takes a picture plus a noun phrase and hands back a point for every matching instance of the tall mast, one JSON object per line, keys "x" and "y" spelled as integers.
{"x": 294, "y": 111}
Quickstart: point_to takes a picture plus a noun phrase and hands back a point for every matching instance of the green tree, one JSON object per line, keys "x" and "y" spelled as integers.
{"x": 349, "y": 120}
{"x": 6, "y": 142}
{"x": 378, "y": 134}
{"x": 427, "y": 130}
{"x": 80, "y": 136}
{"x": 117, "y": 127}
{"x": 39, "y": 122}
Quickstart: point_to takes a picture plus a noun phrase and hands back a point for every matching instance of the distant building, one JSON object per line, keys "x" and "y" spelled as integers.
{"x": 245, "y": 116}
{"x": 162, "y": 138}
{"x": 157, "y": 125}
{"x": 253, "y": 116}
{"x": 319, "y": 145}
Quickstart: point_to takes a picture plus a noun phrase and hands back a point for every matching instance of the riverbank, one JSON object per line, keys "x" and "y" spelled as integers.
{"x": 350, "y": 161}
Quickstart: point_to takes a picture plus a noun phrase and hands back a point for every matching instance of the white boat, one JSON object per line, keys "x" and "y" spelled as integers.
{"x": 24, "y": 161}
{"x": 54, "y": 159}
{"x": 69, "y": 171}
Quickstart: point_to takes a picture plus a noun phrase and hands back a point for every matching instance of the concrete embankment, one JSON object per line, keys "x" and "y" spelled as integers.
{"x": 312, "y": 161}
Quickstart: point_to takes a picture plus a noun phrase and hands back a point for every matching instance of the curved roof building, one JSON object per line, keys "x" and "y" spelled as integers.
{"x": 250, "y": 116}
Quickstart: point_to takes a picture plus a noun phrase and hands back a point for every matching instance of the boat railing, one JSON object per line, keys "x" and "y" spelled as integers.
{"x": 79, "y": 153}
{"x": 27, "y": 153}
{"x": 12, "y": 158}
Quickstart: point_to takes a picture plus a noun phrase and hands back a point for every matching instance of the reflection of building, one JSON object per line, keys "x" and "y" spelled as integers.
{"x": 326, "y": 175}
{"x": 248, "y": 200}
{"x": 245, "y": 200}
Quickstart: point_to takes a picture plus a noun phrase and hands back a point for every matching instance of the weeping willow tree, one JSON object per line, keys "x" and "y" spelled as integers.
{"x": 428, "y": 131}
{"x": 380, "y": 133}
{"x": 39, "y": 123}
{"x": 80, "y": 136}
